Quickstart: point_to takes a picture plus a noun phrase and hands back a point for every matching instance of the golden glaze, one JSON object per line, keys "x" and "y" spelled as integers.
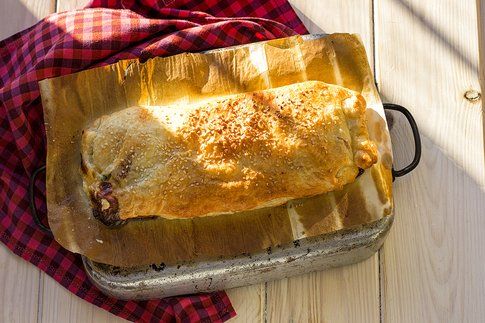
{"x": 236, "y": 153}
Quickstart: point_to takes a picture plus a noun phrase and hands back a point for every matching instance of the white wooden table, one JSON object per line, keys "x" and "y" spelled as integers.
{"x": 426, "y": 56}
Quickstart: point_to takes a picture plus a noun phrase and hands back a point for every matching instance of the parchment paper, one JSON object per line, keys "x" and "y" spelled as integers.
{"x": 72, "y": 102}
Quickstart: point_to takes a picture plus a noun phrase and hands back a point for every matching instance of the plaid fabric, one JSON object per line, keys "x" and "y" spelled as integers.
{"x": 105, "y": 33}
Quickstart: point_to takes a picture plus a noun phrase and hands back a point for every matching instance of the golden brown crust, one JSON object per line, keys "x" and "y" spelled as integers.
{"x": 237, "y": 153}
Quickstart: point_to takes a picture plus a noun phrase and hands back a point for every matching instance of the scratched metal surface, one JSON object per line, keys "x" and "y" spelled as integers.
{"x": 300, "y": 257}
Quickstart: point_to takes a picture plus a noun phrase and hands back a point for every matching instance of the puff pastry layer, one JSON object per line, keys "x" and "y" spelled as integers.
{"x": 225, "y": 155}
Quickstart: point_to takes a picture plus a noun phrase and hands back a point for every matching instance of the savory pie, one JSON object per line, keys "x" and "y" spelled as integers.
{"x": 227, "y": 154}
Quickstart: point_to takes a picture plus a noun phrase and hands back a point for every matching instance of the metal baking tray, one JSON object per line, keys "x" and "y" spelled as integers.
{"x": 299, "y": 257}
{"x": 302, "y": 256}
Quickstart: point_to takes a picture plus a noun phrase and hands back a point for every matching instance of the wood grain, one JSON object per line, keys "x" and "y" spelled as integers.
{"x": 248, "y": 303}
{"x": 346, "y": 294}
{"x": 65, "y": 5}
{"x": 19, "y": 289}
{"x": 16, "y": 15}
{"x": 427, "y": 54}
{"x": 60, "y": 305}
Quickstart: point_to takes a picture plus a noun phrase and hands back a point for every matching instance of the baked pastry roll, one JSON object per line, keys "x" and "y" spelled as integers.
{"x": 224, "y": 155}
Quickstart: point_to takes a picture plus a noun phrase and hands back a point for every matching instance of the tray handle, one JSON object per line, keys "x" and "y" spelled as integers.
{"x": 417, "y": 140}
{"x": 32, "y": 205}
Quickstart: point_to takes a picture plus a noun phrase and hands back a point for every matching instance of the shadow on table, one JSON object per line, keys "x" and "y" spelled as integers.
{"x": 440, "y": 35}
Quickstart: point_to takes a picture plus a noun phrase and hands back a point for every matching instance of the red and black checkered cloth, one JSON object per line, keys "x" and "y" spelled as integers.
{"x": 109, "y": 30}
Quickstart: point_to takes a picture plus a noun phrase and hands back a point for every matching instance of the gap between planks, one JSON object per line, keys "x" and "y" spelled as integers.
{"x": 374, "y": 63}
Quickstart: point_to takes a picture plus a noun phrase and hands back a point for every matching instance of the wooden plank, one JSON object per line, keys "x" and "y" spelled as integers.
{"x": 16, "y": 15}
{"x": 346, "y": 294}
{"x": 65, "y": 5}
{"x": 248, "y": 303}
{"x": 19, "y": 289}
{"x": 427, "y": 54}
{"x": 481, "y": 43}
{"x": 60, "y": 305}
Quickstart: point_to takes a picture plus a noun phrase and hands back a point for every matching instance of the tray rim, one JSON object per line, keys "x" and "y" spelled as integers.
{"x": 333, "y": 249}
